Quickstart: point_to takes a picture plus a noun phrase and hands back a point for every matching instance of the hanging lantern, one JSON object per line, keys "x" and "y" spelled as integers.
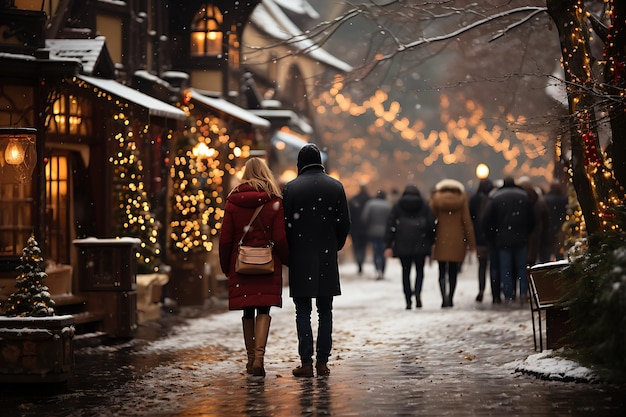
{"x": 18, "y": 154}
{"x": 14, "y": 153}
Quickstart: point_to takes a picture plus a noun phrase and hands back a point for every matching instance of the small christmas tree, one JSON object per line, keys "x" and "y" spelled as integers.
{"x": 31, "y": 299}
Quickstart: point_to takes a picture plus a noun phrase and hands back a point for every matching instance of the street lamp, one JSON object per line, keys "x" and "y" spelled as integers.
{"x": 482, "y": 171}
{"x": 18, "y": 154}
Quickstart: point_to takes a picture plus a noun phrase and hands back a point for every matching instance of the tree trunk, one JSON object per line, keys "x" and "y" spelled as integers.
{"x": 615, "y": 76}
{"x": 591, "y": 186}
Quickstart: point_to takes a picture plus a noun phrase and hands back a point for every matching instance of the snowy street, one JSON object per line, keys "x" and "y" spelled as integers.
{"x": 386, "y": 361}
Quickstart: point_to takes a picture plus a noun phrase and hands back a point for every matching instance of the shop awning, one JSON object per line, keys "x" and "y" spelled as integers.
{"x": 154, "y": 106}
{"x": 226, "y": 107}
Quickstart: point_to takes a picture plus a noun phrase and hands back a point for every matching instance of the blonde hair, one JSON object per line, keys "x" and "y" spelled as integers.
{"x": 259, "y": 176}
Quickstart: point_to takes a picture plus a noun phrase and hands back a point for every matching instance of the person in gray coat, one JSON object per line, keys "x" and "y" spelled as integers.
{"x": 374, "y": 220}
{"x": 317, "y": 224}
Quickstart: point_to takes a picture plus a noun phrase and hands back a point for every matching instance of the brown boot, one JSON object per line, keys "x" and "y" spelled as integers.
{"x": 261, "y": 332}
{"x": 248, "y": 337}
{"x": 304, "y": 371}
{"x": 322, "y": 369}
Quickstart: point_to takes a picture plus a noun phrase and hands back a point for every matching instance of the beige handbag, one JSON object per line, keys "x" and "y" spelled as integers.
{"x": 254, "y": 260}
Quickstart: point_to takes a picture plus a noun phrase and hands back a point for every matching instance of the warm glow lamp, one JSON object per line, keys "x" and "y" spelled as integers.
{"x": 482, "y": 171}
{"x": 18, "y": 155}
{"x": 14, "y": 152}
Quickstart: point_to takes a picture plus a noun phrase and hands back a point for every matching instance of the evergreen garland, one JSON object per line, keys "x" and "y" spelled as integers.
{"x": 31, "y": 298}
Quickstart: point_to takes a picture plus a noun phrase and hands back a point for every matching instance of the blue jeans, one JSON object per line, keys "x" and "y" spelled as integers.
{"x": 513, "y": 269}
{"x": 305, "y": 332}
{"x": 378, "y": 249}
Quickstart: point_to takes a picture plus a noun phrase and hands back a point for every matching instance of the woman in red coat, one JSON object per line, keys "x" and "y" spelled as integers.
{"x": 254, "y": 294}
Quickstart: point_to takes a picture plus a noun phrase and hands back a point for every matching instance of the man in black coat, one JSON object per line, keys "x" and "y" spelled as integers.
{"x": 508, "y": 221}
{"x": 317, "y": 222}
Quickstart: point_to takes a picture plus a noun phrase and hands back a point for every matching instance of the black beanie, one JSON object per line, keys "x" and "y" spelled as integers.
{"x": 309, "y": 155}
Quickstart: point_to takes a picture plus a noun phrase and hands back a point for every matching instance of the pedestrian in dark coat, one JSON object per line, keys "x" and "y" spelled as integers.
{"x": 541, "y": 229}
{"x": 455, "y": 234}
{"x": 356, "y": 204}
{"x": 477, "y": 204}
{"x": 409, "y": 236}
{"x": 317, "y": 222}
{"x": 556, "y": 201}
{"x": 254, "y": 293}
{"x": 508, "y": 222}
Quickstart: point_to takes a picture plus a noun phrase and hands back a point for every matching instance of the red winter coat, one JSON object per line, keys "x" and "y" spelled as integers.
{"x": 253, "y": 290}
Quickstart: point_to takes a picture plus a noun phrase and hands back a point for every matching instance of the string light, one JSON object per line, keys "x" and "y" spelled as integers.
{"x": 523, "y": 150}
{"x": 206, "y": 155}
{"x": 134, "y": 215}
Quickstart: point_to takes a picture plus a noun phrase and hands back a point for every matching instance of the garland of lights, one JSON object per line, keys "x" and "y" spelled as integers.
{"x": 197, "y": 174}
{"x": 133, "y": 210}
{"x": 205, "y": 154}
{"x": 133, "y": 213}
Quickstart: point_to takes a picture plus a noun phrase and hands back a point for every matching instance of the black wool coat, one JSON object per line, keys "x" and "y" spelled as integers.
{"x": 509, "y": 218}
{"x": 410, "y": 227}
{"x": 317, "y": 223}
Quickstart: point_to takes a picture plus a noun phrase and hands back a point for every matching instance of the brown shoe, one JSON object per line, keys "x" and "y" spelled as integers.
{"x": 304, "y": 371}
{"x": 322, "y": 369}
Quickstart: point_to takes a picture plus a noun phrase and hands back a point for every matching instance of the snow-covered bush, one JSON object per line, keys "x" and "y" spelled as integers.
{"x": 596, "y": 297}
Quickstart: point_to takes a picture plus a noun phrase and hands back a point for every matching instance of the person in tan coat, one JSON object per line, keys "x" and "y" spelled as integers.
{"x": 455, "y": 234}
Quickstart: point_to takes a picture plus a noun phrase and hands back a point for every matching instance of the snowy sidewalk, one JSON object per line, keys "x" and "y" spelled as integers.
{"x": 386, "y": 361}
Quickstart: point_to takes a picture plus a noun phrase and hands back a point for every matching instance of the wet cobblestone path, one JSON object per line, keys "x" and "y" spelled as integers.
{"x": 387, "y": 361}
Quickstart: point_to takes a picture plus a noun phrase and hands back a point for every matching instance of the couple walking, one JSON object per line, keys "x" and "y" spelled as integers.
{"x": 307, "y": 226}
{"x": 440, "y": 228}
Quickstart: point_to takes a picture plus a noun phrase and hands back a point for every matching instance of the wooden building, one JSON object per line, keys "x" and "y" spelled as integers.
{"x": 108, "y": 91}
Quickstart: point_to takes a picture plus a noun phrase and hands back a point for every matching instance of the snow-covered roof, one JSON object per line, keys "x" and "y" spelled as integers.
{"x": 154, "y": 106}
{"x": 229, "y": 108}
{"x": 293, "y": 119}
{"x": 18, "y": 57}
{"x": 270, "y": 18}
{"x": 124, "y": 240}
{"x": 299, "y": 7}
{"x": 289, "y": 139}
{"x": 86, "y": 51}
{"x": 292, "y": 145}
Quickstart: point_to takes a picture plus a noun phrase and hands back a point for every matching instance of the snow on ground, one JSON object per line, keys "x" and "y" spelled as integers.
{"x": 548, "y": 365}
{"x": 371, "y": 314}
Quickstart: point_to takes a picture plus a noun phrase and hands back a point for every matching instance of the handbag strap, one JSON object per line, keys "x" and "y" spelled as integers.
{"x": 256, "y": 213}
